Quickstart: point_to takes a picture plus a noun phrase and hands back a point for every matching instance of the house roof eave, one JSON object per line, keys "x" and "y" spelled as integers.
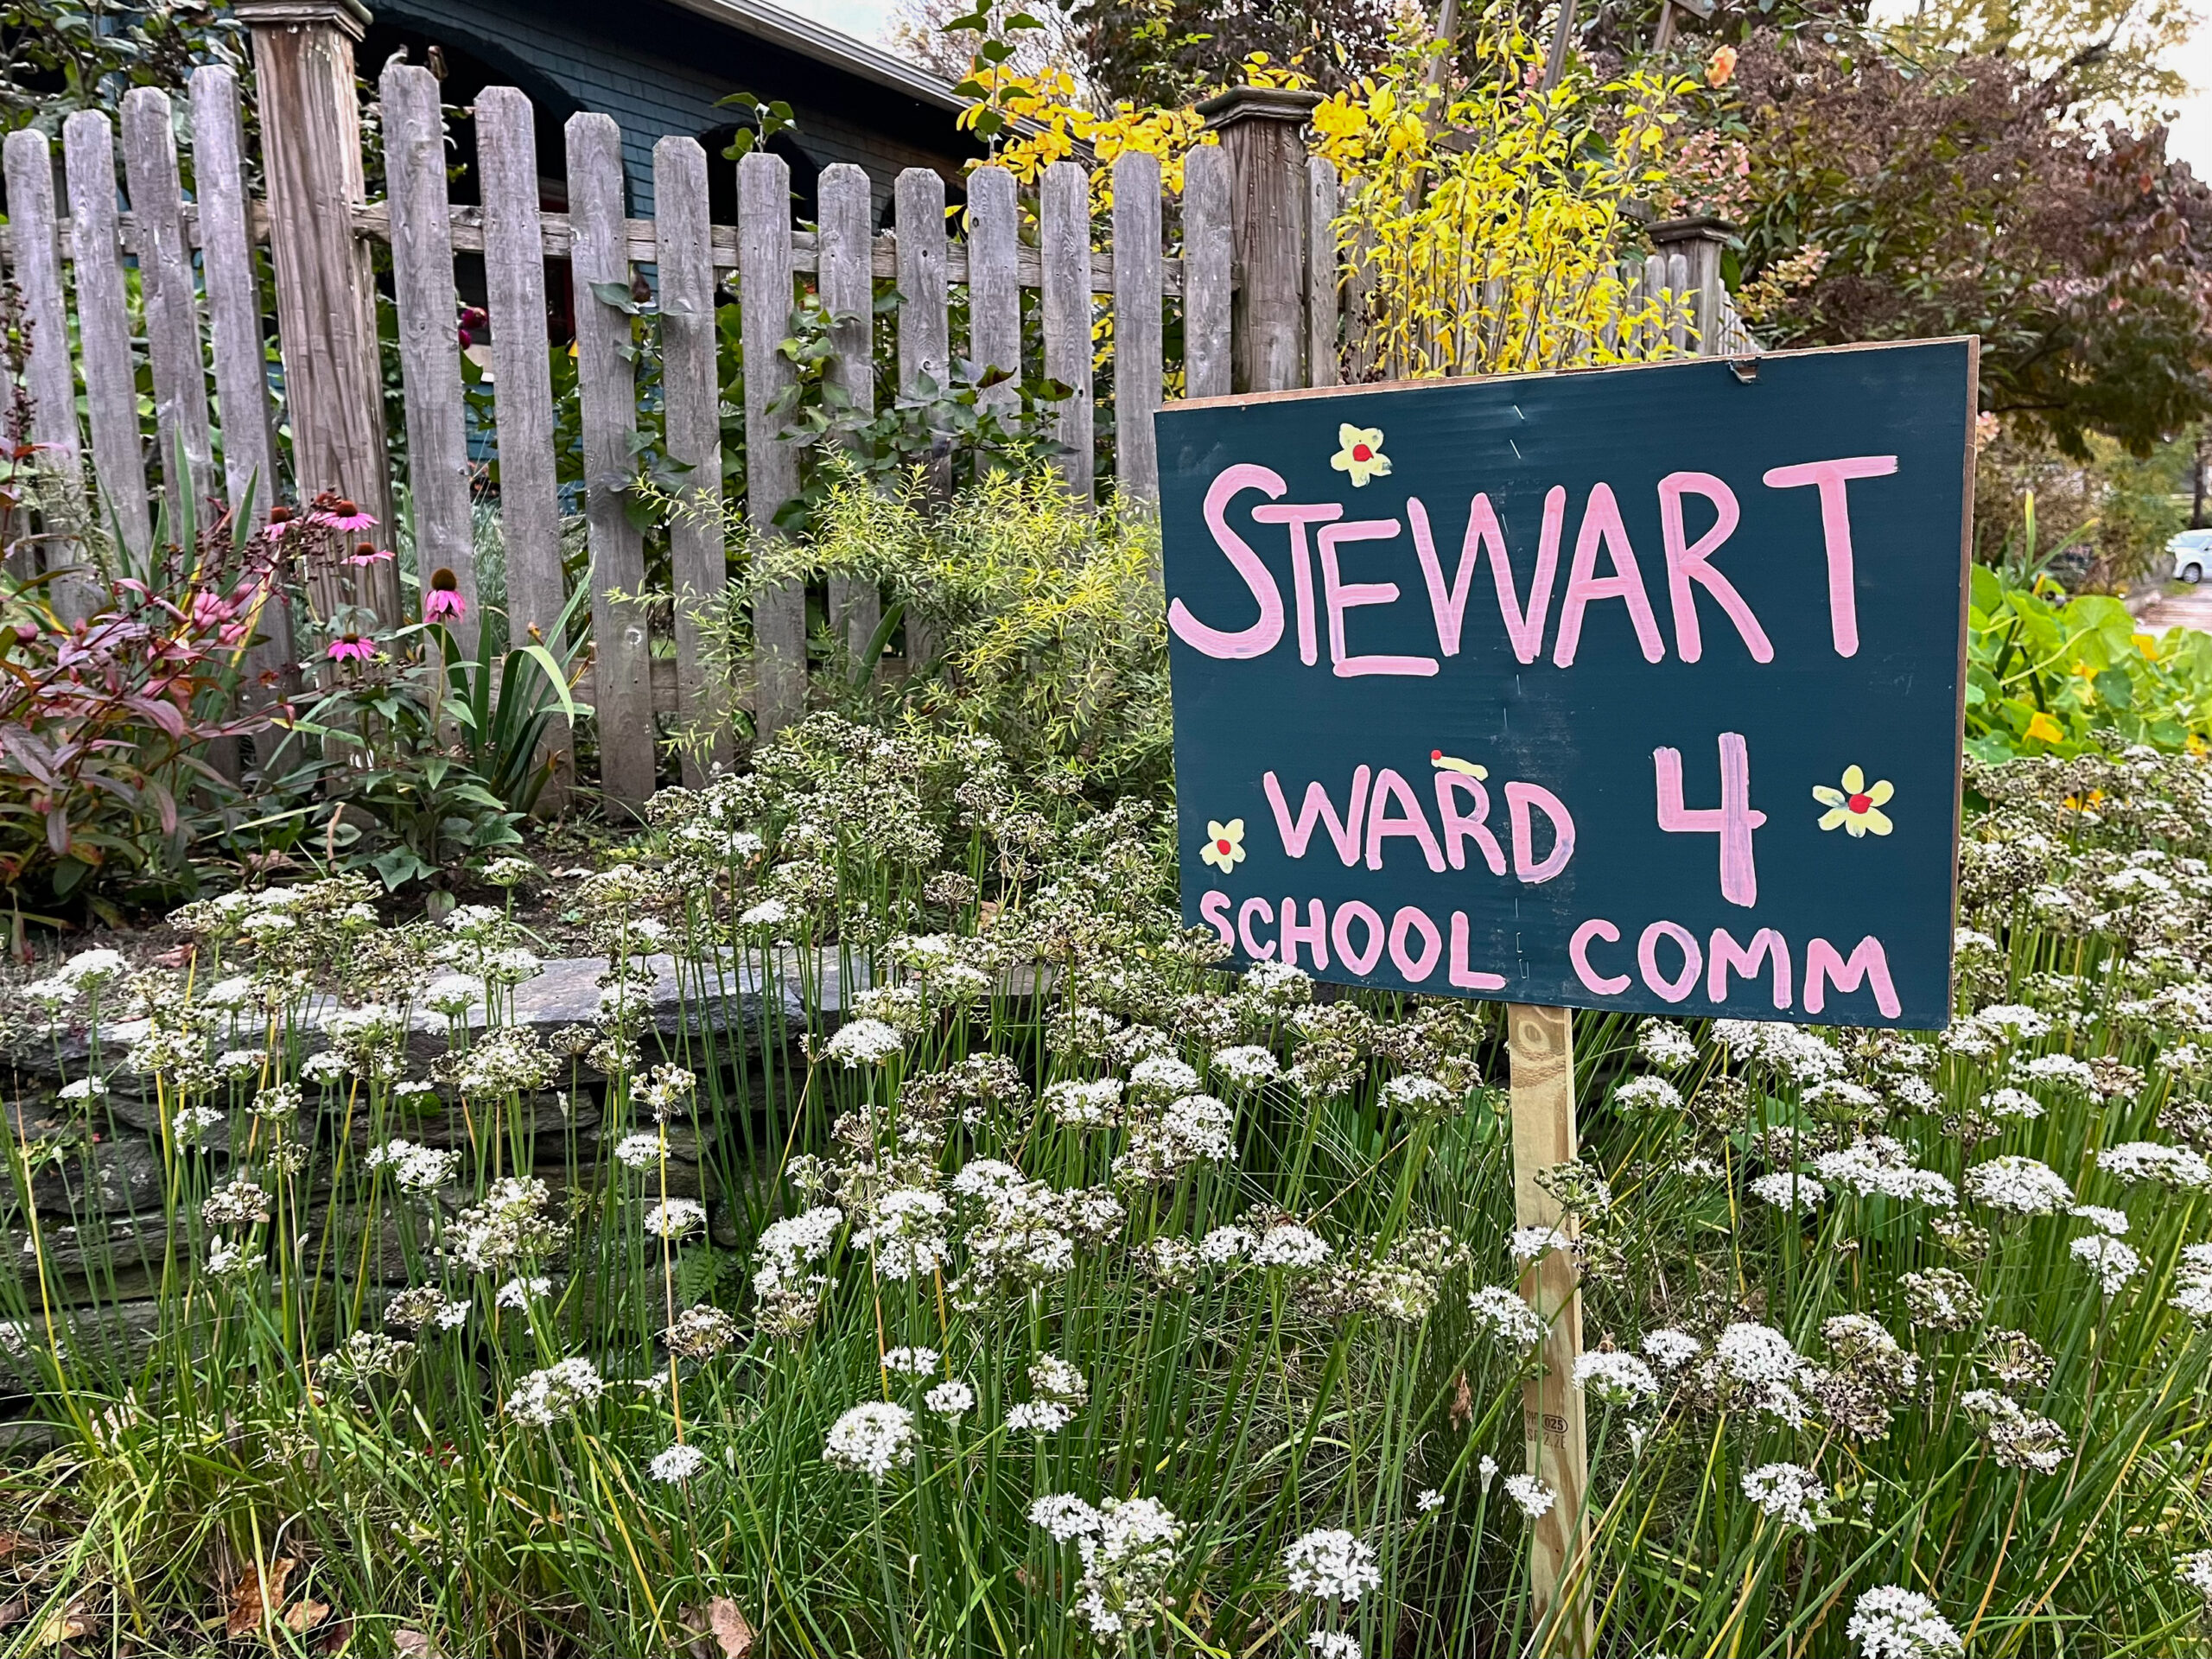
{"x": 825, "y": 45}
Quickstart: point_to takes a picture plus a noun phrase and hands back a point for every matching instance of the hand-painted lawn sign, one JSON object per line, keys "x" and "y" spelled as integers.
{"x": 1635, "y": 690}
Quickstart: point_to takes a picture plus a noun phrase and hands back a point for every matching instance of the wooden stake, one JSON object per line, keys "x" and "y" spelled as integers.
{"x": 1541, "y": 1042}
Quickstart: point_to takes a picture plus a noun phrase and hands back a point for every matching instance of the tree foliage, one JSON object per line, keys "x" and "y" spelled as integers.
{"x": 1961, "y": 199}
{"x": 1167, "y": 53}
{"x": 60, "y": 56}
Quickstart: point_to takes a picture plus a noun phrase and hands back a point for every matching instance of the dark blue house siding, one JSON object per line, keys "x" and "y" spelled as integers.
{"x": 658, "y": 69}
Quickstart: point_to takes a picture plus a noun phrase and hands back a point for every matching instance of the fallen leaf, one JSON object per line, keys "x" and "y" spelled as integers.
{"x": 65, "y": 1626}
{"x": 413, "y": 1645}
{"x": 306, "y": 1616}
{"x": 1463, "y": 1402}
{"x": 729, "y": 1628}
{"x": 15, "y": 1610}
{"x": 257, "y": 1594}
{"x": 176, "y": 958}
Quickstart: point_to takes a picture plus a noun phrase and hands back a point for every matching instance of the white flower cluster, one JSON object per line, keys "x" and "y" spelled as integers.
{"x": 864, "y": 1042}
{"x": 1891, "y": 1623}
{"x": 1785, "y": 1190}
{"x": 1647, "y": 1094}
{"x": 558, "y": 1391}
{"x": 2193, "y": 1283}
{"x": 1670, "y": 1349}
{"x": 871, "y": 1439}
{"x": 1533, "y": 1498}
{"x": 1502, "y": 1315}
{"x": 1666, "y": 1045}
{"x": 2147, "y": 1161}
{"x": 2021, "y": 1186}
{"x": 1614, "y": 1378}
{"x": 2113, "y": 1262}
{"x": 786, "y": 1247}
{"x": 906, "y": 1233}
{"x": 1330, "y": 1564}
{"x": 1788, "y": 1493}
{"x": 416, "y": 1168}
{"x": 1881, "y": 1166}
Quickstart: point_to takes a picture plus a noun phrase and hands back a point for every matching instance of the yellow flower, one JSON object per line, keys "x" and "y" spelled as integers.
{"x": 2043, "y": 728}
{"x": 1361, "y": 453}
{"x": 1855, "y": 807}
{"x": 1224, "y": 848}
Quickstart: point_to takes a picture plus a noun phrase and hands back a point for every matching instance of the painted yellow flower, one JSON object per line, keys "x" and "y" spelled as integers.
{"x": 1856, "y": 807}
{"x": 1360, "y": 453}
{"x": 1224, "y": 848}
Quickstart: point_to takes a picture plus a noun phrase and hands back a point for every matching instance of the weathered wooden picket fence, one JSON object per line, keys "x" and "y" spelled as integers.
{"x": 1248, "y": 255}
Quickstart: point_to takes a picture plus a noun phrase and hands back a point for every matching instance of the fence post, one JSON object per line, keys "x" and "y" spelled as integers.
{"x": 1699, "y": 243}
{"x": 325, "y": 295}
{"x": 1261, "y": 129}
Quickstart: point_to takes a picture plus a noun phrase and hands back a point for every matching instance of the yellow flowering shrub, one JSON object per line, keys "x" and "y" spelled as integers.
{"x": 1048, "y": 101}
{"x": 1483, "y": 227}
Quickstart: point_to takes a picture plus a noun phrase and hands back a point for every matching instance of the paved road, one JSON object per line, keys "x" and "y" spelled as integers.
{"x": 2190, "y": 609}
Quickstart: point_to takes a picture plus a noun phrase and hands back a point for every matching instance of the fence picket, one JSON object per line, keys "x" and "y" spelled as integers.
{"x": 607, "y": 387}
{"x": 691, "y": 393}
{"x": 846, "y": 251}
{"x": 994, "y": 284}
{"x": 763, "y": 258}
{"x": 1136, "y": 323}
{"x": 925, "y": 339}
{"x": 241, "y": 356}
{"x": 172, "y": 301}
{"x": 104, "y": 327}
{"x": 35, "y": 255}
{"x": 1678, "y": 285}
{"x": 429, "y": 358}
{"x": 1324, "y": 284}
{"x": 1064, "y": 241}
{"x": 522, "y": 387}
{"x": 1205, "y": 272}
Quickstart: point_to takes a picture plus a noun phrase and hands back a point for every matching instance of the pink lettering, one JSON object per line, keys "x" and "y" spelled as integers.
{"x": 1460, "y": 827}
{"x": 1524, "y": 628}
{"x": 1260, "y": 638}
{"x": 1298, "y": 516}
{"x": 1519, "y": 797}
{"x": 1725, "y": 955}
{"x": 1258, "y": 949}
{"x": 1317, "y": 807}
{"x": 1316, "y": 935}
{"x": 1364, "y": 960}
{"x": 1647, "y": 960}
{"x": 1415, "y": 967}
{"x": 1602, "y": 525}
{"x": 1833, "y": 477}
{"x": 1691, "y": 561}
{"x": 1340, "y": 596}
{"x": 1463, "y": 977}
{"x": 1868, "y": 965}
{"x": 1577, "y": 952}
{"x": 1215, "y": 908}
{"x": 1733, "y": 820}
{"x": 1412, "y": 823}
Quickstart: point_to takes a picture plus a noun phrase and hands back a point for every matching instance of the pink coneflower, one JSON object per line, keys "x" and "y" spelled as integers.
{"x": 368, "y": 553}
{"x": 280, "y": 522}
{"x": 443, "y": 603}
{"x": 353, "y": 647}
{"x": 342, "y": 514}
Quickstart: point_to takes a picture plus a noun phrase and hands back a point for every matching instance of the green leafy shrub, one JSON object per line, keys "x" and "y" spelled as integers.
{"x": 2047, "y": 674}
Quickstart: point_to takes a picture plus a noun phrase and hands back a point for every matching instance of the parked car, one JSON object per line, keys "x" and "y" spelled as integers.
{"x": 2192, "y": 554}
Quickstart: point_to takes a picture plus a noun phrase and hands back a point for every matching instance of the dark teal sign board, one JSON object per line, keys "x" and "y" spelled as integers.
{"x": 1635, "y": 690}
